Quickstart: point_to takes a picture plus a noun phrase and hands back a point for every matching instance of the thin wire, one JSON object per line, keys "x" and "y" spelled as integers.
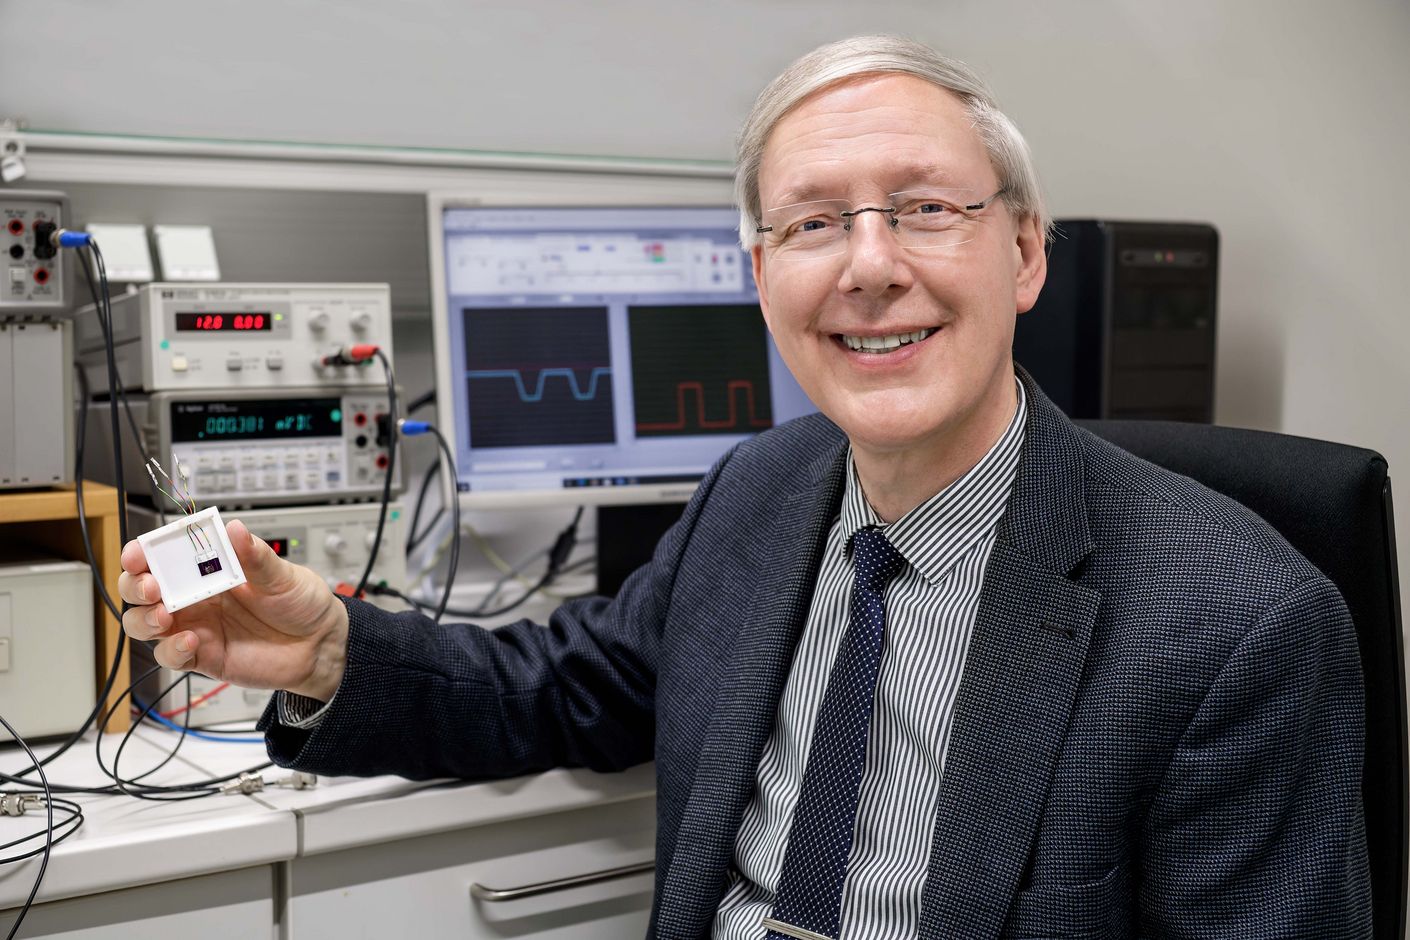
{"x": 185, "y": 505}
{"x": 105, "y": 323}
{"x": 82, "y": 512}
{"x": 450, "y": 476}
{"x": 417, "y": 535}
{"x": 48, "y": 832}
{"x": 493, "y": 594}
{"x": 121, "y": 783}
{"x": 192, "y": 703}
{"x": 73, "y": 820}
{"x": 152, "y": 792}
{"x": 392, "y": 434}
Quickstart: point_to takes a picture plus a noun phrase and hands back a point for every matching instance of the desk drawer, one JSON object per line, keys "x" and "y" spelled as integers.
{"x": 564, "y": 875}
{"x": 233, "y": 905}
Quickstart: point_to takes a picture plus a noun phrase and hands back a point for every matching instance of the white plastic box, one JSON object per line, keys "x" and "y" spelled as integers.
{"x": 192, "y": 559}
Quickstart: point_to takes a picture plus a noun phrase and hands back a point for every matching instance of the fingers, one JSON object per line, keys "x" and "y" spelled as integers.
{"x": 147, "y": 623}
{"x": 133, "y": 558}
{"x": 138, "y": 588}
{"x": 177, "y": 652}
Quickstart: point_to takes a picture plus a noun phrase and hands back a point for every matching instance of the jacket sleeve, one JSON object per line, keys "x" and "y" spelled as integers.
{"x": 457, "y": 700}
{"x": 1256, "y": 829}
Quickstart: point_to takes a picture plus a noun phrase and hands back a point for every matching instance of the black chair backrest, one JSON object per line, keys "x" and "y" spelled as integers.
{"x": 1333, "y": 504}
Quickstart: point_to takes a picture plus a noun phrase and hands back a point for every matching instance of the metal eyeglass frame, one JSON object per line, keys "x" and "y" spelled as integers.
{"x": 850, "y": 214}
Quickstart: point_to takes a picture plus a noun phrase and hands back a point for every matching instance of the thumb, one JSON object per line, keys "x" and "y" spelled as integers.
{"x": 258, "y": 560}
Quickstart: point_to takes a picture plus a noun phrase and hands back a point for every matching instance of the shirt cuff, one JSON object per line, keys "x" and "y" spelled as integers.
{"x": 300, "y": 711}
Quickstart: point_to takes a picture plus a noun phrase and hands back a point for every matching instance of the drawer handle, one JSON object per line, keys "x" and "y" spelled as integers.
{"x": 547, "y": 887}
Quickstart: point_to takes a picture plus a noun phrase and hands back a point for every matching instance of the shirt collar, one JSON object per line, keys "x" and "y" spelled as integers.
{"x": 938, "y": 532}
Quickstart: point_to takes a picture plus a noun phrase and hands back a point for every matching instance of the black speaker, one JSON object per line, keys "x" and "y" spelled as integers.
{"x": 1125, "y": 324}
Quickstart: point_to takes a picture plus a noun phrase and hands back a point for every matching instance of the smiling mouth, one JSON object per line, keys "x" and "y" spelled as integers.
{"x": 885, "y": 344}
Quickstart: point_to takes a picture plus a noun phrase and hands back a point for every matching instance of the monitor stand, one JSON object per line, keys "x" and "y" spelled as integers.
{"x": 626, "y": 537}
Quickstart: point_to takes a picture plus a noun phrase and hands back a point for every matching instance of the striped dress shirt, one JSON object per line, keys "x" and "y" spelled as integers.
{"x": 930, "y": 612}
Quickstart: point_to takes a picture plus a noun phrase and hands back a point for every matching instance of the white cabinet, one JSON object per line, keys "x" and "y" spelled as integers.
{"x": 236, "y": 905}
{"x": 422, "y": 887}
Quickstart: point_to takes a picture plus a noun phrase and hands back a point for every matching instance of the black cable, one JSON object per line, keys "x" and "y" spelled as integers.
{"x": 417, "y": 535}
{"x": 102, "y": 306}
{"x": 48, "y": 832}
{"x": 112, "y": 386}
{"x": 392, "y": 432}
{"x": 116, "y": 394}
{"x": 126, "y": 784}
{"x": 78, "y": 494}
{"x": 426, "y": 608}
{"x": 455, "y": 517}
{"x": 103, "y": 310}
{"x": 82, "y": 374}
{"x": 415, "y": 538}
{"x": 557, "y": 556}
{"x": 74, "y": 820}
{"x": 200, "y": 788}
{"x": 184, "y": 679}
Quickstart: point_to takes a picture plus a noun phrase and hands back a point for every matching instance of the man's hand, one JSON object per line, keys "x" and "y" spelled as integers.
{"x": 282, "y": 629}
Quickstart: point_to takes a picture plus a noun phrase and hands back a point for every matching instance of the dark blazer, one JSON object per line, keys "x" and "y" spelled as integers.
{"x": 1158, "y": 731}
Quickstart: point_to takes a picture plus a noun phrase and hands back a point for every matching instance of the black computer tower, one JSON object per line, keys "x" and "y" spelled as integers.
{"x": 1124, "y": 326}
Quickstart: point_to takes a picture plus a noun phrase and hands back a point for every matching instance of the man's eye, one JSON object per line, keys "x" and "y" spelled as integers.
{"x": 932, "y": 207}
{"x": 811, "y": 225}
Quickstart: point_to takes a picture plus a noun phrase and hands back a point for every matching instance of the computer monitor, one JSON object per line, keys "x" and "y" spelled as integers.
{"x": 601, "y": 355}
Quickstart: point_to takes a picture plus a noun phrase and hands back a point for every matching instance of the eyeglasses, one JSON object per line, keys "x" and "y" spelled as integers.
{"x": 930, "y": 218}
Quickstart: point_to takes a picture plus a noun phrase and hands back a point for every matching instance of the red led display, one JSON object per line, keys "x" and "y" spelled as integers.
{"x": 223, "y": 322}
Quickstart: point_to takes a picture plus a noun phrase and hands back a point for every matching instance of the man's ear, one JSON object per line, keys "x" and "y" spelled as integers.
{"x": 1030, "y": 248}
{"x": 756, "y": 257}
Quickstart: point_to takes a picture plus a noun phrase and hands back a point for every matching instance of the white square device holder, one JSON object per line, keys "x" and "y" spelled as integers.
{"x": 192, "y": 559}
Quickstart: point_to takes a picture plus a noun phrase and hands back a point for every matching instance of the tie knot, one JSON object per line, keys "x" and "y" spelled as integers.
{"x": 874, "y": 558}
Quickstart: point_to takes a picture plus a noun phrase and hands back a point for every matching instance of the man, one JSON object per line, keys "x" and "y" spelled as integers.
{"x": 937, "y": 664}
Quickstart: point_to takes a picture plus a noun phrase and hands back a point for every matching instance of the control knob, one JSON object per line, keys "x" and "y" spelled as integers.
{"x": 335, "y": 544}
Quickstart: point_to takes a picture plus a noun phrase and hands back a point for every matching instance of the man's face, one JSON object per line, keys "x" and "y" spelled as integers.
{"x": 859, "y": 141}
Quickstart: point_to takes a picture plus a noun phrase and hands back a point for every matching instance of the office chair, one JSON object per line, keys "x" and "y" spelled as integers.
{"x": 1333, "y": 504}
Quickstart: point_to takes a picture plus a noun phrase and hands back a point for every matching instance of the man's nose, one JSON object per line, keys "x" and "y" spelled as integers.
{"x": 874, "y": 261}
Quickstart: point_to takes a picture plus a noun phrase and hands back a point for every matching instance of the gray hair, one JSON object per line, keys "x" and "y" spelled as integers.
{"x": 864, "y": 55}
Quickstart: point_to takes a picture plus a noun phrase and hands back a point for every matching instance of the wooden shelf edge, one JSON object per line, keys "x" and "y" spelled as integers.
{"x": 57, "y": 502}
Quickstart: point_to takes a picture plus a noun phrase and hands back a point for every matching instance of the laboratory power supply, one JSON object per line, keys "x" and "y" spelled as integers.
{"x": 36, "y": 400}
{"x": 333, "y": 541}
{"x": 243, "y": 336}
{"x": 36, "y": 272}
{"x": 48, "y": 669}
{"x": 254, "y": 447}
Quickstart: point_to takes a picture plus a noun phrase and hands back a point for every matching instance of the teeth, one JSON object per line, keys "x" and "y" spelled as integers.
{"x": 883, "y": 344}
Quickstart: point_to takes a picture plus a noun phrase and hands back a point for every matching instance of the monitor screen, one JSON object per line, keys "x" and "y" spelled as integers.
{"x": 606, "y": 354}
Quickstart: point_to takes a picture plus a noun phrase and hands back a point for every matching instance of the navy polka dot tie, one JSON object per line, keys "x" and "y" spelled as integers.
{"x": 808, "y": 904}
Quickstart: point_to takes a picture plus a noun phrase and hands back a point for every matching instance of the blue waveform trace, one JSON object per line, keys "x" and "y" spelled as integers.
{"x": 537, "y": 394}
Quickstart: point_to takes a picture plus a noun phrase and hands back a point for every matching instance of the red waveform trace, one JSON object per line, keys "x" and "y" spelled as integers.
{"x": 701, "y": 421}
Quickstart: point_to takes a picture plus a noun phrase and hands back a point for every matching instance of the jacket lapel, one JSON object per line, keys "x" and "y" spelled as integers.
{"x": 1020, "y": 681}
{"x": 748, "y": 701}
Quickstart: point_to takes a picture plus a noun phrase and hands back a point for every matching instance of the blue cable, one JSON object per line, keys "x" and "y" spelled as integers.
{"x": 413, "y": 428}
{"x": 167, "y": 722}
{"x": 69, "y": 239}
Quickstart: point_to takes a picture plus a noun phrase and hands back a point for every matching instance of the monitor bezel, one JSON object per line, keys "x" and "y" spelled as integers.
{"x": 627, "y": 192}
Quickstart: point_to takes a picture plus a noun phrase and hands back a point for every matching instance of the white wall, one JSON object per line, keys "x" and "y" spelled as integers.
{"x": 1280, "y": 121}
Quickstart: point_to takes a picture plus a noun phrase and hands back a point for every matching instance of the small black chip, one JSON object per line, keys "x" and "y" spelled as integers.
{"x": 209, "y": 566}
